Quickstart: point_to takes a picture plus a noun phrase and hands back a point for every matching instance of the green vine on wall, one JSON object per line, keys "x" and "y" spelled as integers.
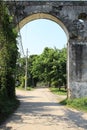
{"x": 8, "y": 53}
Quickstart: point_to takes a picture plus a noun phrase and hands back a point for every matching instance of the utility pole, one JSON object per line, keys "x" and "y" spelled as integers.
{"x": 26, "y": 69}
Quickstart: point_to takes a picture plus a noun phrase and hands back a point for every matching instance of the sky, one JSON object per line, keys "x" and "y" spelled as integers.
{"x": 41, "y": 33}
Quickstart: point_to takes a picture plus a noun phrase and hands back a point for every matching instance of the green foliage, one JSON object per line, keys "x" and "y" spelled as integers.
{"x": 32, "y": 79}
{"x": 22, "y": 82}
{"x": 57, "y": 91}
{"x": 8, "y": 57}
{"x": 8, "y": 53}
{"x": 78, "y": 103}
{"x": 20, "y": 68}
{"x": 9, "y": 106}
{"x": 49, "y": 67}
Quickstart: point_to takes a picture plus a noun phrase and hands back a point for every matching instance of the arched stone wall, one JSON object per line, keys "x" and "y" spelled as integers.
{"x": 42, "y": 16}
{"x": 71, "y": 16}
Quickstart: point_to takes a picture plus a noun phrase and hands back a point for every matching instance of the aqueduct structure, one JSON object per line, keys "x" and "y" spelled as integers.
{"x": 72, "y": 17}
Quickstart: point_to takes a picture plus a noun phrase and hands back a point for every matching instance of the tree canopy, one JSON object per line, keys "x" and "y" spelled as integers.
{"x": 48, "y": 67}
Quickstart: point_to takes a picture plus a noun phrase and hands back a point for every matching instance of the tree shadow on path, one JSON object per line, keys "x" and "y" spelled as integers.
{"x": 29, "y": 111}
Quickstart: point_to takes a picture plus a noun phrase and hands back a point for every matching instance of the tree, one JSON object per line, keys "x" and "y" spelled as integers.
{"x": 50, "y": 66}
{"x": 60, "y": 77}
{"x": 32, "y": 79}
{"x": 20, "y": 72}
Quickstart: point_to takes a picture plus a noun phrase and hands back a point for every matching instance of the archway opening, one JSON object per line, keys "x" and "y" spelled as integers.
{"x": 44, "y": 16}
{"x": 41, "y": 33}
{"x": 43, "y": 21}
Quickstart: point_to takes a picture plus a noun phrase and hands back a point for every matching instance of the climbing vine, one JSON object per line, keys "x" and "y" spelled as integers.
{"x": 8, "y": 53}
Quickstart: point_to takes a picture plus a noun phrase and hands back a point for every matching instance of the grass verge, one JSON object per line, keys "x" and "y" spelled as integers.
{"x": 28, "y": 88}
{"x": 57, "y": 91}
{"x": 7, "y": 107}
{"x": 78, "y": 103}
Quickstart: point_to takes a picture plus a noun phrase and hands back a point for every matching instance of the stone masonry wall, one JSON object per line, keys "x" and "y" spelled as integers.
{"x": 74, "y": 17}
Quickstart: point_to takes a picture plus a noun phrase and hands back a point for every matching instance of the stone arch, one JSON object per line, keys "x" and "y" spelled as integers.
{"x": 42, "y": 16}
{"x": 73, "y": 14}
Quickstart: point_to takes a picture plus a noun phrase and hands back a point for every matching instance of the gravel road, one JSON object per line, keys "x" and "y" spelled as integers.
{"x": 39, "y": 110}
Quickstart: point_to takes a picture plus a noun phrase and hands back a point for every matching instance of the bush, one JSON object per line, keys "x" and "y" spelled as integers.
{"x": 7, "y": 107}
{"x": 55, "y": 83}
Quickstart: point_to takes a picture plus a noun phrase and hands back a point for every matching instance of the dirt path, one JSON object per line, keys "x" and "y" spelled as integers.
{"x": 39, "y": 110}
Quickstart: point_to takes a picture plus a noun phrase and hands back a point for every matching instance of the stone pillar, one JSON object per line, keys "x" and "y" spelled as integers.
{"x": 68, "y": 71}
{"x": 77, "y": 68}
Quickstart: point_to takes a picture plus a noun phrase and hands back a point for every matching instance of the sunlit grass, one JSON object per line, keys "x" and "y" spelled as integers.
{"x": 27, "y": 88}
{"x": 62, "y": 91}
{"x": 78, "y": 103}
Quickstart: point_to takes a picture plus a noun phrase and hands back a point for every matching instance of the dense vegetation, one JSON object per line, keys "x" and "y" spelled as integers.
{"x": 8, "y": 57}
{"x": 49, "y": 67}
